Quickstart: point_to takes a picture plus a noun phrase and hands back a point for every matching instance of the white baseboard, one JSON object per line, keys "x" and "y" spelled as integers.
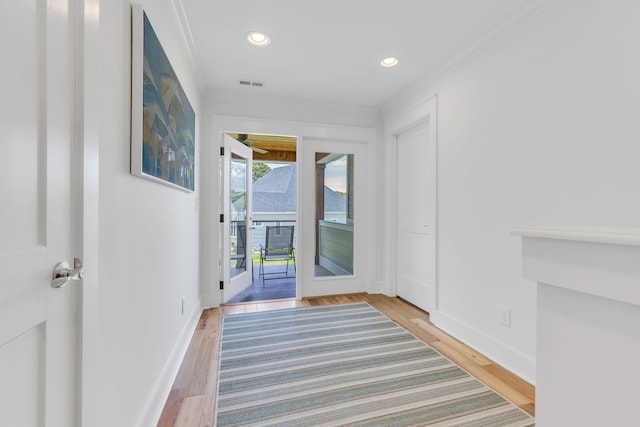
{"x": 519, "y": 363}
{"x": 154, "y": 405}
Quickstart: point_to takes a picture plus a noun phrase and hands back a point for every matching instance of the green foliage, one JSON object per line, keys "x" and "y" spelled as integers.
{"x": 259, "y": 170}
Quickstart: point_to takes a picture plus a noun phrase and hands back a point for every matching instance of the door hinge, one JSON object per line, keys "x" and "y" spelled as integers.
{"x": 222, "y": 151}
{"x": 221, "y": 217}
{"x": 221, "y": 285}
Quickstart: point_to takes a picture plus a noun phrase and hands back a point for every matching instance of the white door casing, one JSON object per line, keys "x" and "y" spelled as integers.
{"x": 38, "y": 357}
{"x": 236, "y": 284}
{"x": 412, "y": 163}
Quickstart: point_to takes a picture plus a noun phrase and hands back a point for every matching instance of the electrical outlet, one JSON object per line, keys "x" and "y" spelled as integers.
{"x": 183, "y": 298}
{"x": 505, "y": 316}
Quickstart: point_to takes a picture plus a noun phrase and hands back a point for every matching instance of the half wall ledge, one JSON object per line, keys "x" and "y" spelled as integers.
{"x": 588, "y": 323}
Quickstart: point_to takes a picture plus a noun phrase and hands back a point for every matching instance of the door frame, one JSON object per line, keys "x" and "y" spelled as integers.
{"x": 423, "y": 111}
{"x": 85, "y": 187}
{"x": 211, "y": 175}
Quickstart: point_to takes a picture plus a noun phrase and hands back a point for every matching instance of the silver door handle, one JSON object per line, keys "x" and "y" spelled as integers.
{"x": 63, "y": 273}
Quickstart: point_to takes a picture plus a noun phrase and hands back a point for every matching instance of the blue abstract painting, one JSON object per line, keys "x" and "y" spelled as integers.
{"x": 168, "y": 128}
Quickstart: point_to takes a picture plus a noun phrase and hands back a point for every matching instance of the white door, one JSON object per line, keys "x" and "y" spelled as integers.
{"x": 237, "y": 268}
{"x": 348, "y": 236}
{"x": 38, "y": 356}
{"x": 416, "y": 213}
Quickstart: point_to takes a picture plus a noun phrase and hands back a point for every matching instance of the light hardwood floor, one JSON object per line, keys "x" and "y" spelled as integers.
{"x": 192, "y": 400}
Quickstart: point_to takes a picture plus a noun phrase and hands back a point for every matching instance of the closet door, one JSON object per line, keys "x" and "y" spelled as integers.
{"x": 416, "y": 213}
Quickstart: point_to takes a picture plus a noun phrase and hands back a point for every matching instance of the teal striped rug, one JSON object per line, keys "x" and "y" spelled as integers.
{"x": 345, "y": 365}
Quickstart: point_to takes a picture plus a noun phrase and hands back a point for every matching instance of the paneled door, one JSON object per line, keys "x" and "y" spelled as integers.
{"x": 416, "y": 213}
{"x": 237, "y": 271}
{"x": 38, "y": 352}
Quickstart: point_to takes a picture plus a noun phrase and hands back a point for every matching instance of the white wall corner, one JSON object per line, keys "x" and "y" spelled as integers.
{"x": 380, "y": 287}
{"x": 212, "y": 299}
{"x": 152, "y": 409}
{"x": 522, "y": 365}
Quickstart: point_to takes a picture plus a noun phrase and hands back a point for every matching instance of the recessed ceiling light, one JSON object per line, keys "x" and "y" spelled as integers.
{"x": 257, "y": 38}
{"x": 389, "y": 62}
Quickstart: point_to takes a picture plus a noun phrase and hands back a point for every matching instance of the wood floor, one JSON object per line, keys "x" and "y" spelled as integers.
{"x": 192, "y": 400}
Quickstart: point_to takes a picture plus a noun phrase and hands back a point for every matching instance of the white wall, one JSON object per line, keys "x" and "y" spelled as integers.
{"x": 148, "y": 240}
{"x": 249, "y": 102}
{"x": 539, "y": 128}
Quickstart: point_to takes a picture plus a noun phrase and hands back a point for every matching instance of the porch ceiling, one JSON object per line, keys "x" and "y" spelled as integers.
{"x": 279, "y": 148}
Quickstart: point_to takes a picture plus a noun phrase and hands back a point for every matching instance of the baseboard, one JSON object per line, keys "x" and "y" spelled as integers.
{"x": 158, "y": 396}
{"x": 518, "y": 363}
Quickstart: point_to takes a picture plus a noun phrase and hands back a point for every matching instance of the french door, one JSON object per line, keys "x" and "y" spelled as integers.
{"x": 335, "y": 206}
{"x": 237, "y": 268}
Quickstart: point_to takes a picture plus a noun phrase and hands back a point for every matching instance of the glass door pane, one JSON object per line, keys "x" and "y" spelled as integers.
{"x": 237, "y": 267}
{"x": 238, "y": 223}
{"x": 334, "y": 214}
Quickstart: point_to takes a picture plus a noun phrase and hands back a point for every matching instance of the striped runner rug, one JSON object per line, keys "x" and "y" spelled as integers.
{"x": 345, "y": 365}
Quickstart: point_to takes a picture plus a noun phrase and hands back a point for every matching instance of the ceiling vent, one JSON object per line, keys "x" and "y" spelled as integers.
{"x": 248, "y": 83}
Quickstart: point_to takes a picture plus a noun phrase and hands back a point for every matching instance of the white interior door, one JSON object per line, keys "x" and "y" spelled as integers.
{"x": 416, "y": 213}
{"x": 38, "y": 356}
{"x": 237, "y": 268}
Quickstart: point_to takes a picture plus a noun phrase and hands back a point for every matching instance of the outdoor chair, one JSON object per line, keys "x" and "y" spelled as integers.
{"x": 241, "y": 251}
{"x": 278, "y": 247}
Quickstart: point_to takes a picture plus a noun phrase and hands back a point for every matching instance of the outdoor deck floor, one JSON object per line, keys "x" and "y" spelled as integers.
{"x": 276, "y": 286}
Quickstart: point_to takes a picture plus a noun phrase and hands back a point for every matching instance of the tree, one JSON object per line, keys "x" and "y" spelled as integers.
{"x": 259, "y": 170}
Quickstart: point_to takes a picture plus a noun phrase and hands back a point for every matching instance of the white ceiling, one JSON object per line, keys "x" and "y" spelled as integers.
{"x": 329, "y": 50}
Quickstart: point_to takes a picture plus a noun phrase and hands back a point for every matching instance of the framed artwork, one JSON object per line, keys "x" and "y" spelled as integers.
{"x": 162, "y": 119}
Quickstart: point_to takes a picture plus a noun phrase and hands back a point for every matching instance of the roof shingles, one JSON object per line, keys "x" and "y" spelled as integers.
{"x": 276, "y": 192}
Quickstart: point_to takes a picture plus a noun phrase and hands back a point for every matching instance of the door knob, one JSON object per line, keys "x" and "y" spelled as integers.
{"x": 63, "y": 273}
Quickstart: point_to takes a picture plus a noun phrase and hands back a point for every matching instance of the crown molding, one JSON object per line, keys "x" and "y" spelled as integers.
{"x": 415, "y": 92}
{"x": 187, "y": 36}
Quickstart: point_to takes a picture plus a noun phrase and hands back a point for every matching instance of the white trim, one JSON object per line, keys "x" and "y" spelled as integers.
{"x": 511, "y": 359}
{"x": 185, "y": 30}
{"x": 595, "y": 267}
{"x": 409, "y": 115}
{"x": 610, "y": 235}
{"x": 153, "y": 407}
{"x": 87, "y": 207}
